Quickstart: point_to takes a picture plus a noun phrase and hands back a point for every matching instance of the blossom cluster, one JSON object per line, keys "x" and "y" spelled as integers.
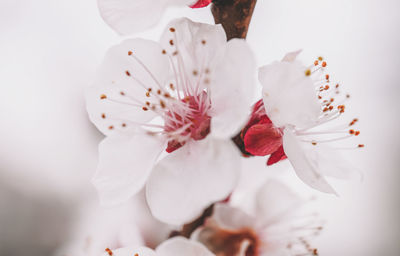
{"x": 180, "y": 115}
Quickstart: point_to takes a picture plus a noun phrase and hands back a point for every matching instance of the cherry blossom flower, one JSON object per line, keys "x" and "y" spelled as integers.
{"x": 273, "y": 226}
{"x": 187, "y": 95}
{"x": 130, "y": 16}
{"x": 171, "y": 247}
{"x": 292, "y": 121}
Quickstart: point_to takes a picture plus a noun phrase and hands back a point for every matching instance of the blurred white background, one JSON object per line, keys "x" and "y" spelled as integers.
{"x": 49, "y": 51}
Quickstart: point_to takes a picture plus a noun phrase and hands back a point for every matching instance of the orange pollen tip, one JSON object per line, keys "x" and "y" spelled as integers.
{"x": 320, "y": 58}
{"x": 326, "y": 87}
{"x": 103, "y": 116}
{"x": 164, "y": 52}
{"x": 330, "y": 107}
{"x": 171, "y": 42}
{"x": 315, "y": 252}
{"x": 130, "y": 53}
{"x": 361, "y": 145}
{"x": 147, "y": 103}
{"x": 171, "y": 86}
{"x": 308, "y": 72}
{"x": 111, "y": 127}
{"x": 357, "y": 133}
{"x": 103, "y": 96}
{"x": 166, "y": 95}
{"x": 136, "y": 254}
{"x": 327, "y": 77}
{"x": 172, "y": 29}
{"x": 319, "y": 97}
{"x": 337, "y": 86}
{"x": 145, "y": 109}
{"x": 332, "y": 99}
{"x": 109, "y": 251}
{"x": 127, "y": 73}
{"x": 158, "y": 91}
{"x": 323, "y": 64}
{"x": 316, "y": 63}
{"x": 314, "y": 143}
{"x": 203, "y": 42}
{"x": 147, "y": 94}
{"x": 149, "y": 90}
{"x": 351, "y": 131}
{"x": 123, "y": 124}
{"x": 162, "y": 103}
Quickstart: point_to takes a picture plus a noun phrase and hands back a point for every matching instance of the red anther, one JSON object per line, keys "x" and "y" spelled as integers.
{"x": 123, "y": 124}
{"x": 158, "y": 91}
{"x": 164, "y": 51}
{"x": 103, "y": 96}
{"x": 330, "y": 107}
{"x": 319, "y": 97}
{"x": 357, "y": 133}
{"x": 130, "y": 53}
{"x": 351, "y": 131}
{"x": 361, "y": 145}
{"x": 147, "y": 94}
{"x": 167, "y": 95}
{"x": 332, "y": 99}
{"x": 315, "y": 252}
{"x": 326, "y": 87}
{"x": 325, "y": 109}
{"x": 327, "y": 77}
{"x": 109, "y": 251}
{"x": 172, "y": 29}
{"x": 316, "y": 63}
{"x": 127, "y": 73}
{"x": 171, "y": 42}
{"x": 337, "y": 86}
{"x": 111, "y": 127}
{"x": 147, "y": 103}
{"x": 103, "y": 116}
{"x": 323, "y": 64}
{"x": 145, "y": 109}
{"x": 203, "y": 42}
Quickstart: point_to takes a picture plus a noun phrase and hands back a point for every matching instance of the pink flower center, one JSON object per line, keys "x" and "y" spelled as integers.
{"x": 193, "y": 123}
{"x": 225, "y": 242}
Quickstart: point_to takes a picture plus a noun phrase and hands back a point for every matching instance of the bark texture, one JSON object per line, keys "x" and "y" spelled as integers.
{"x": 234, "y": 15}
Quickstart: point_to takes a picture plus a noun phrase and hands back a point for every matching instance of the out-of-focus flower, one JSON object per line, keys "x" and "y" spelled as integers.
{"x": 187, "y": 95}
{"x": 271, "y": 228}
{"x": 130, "y": 16}
{"x": 292, "y": 121}
{"x": 98, "y": 228}
{"x": 171, "y": 247}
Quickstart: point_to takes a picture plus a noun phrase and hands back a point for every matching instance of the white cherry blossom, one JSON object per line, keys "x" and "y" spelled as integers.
{"x": 187, "y": 95}
{"x": 171, "y": 247}
{"x": 130, "y": 16}
{"x": 273, "y": 226}
{"x": 302, "y": 108}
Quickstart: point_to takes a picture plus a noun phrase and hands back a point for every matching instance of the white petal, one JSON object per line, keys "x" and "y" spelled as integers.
{"x": 131, "y": 16}
{"x": 124, "y": 165}
{"x": 112, "y": 79}
{"x": 131, "y": 251}
{"x": 197, "y": 45}
{"x": 232, "y": 89}
{"x": 188, "y": 180}
{"x": 304, "y": 167}
{"x": 231, "y": 218}
{"x": 289, "y": 95}
{"x": 274, "y": 202}
{"x": 331, "y": 163}
{"x": 182, "y": 246}
{"x": 291, "y": 56}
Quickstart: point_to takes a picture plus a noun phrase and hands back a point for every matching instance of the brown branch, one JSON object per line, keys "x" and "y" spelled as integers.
{"x": 234, "y": 15}
{"x": 188, "y": 228}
